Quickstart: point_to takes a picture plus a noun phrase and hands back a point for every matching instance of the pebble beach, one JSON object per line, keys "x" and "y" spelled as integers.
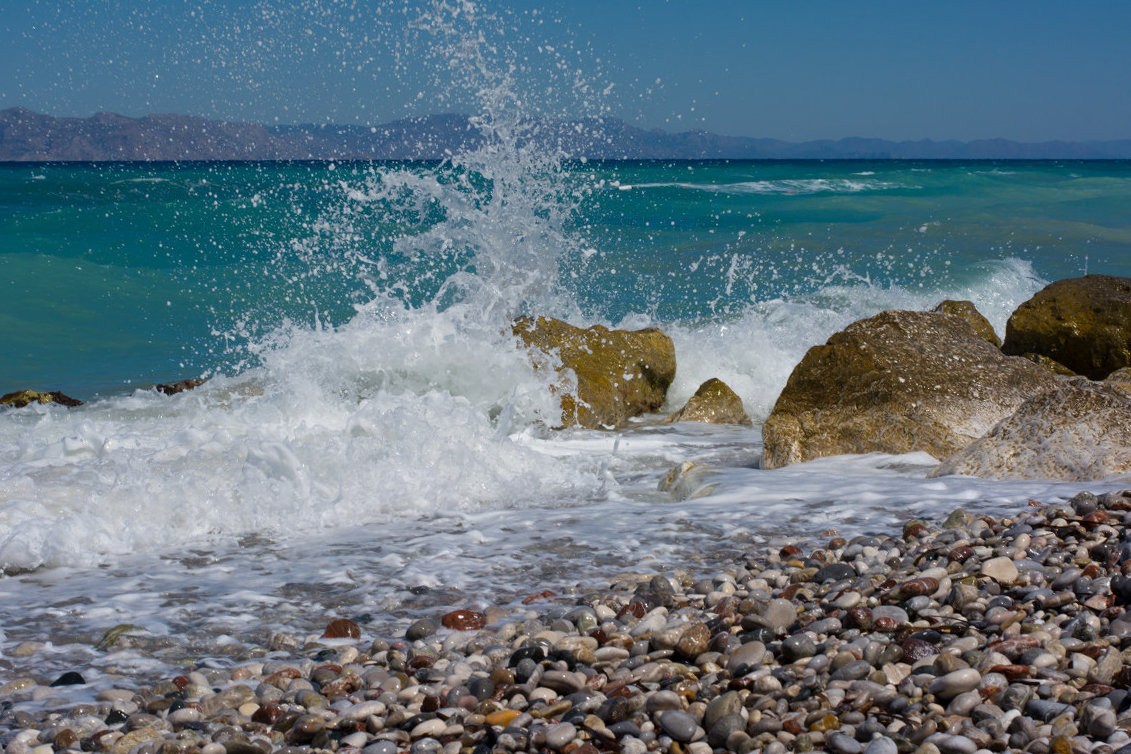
{"x": 973, "y": 633}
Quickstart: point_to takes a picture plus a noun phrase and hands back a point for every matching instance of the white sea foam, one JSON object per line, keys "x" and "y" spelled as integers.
{"x": 785, "y": 186}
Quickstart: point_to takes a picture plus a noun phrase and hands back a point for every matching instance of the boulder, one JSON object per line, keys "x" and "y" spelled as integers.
{"x": 21, "y": 398}
{"x": 1050, "y": 365}
{"x": 620, "y": 374}
{"x": 713, "y": 403}
{"x": 973, "y": 317}
{"x": 1120, "y": 379}
{"x": 897, "y": 382}
{"x": 1079, "y": 431}
{"x": 1083, "y": 323}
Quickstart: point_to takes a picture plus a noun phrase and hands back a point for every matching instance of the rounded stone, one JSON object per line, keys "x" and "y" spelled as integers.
{"x": 881, "y": 745}
{"x": 839, "y": 743}
{"x": 559, "y": 736}
{"x": 750, "y": 653}
{"x": 679, "y": 725}
{"x": 464, "y": 620}
{"x": 1002, "y": 570}
{"x": 421, "y": 629}
{"x": 955, "y": 682}
{"x": 797, "y": 647}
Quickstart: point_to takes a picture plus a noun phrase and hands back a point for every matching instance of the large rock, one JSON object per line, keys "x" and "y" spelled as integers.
{"x": 967, "y": 311}
{"x": 22, "y": 398}
{"x": 895, "y": 383}
{"x": 620, "y": 373}
{"x": 1083, "y": 323}
{"x": 1079, "y": 431}
{"x": 713, "y": 403}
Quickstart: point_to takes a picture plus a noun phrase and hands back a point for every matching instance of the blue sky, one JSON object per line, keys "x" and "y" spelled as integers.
{"x": 1028, "y": 70}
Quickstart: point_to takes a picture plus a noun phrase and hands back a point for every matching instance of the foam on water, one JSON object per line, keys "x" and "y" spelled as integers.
{"x": 799, "y": 186}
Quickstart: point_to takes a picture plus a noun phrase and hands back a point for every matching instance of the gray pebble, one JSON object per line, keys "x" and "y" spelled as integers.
{"x": 558, "y": 736}
{"x": 881, "y": 745}
{"x": 679, "y": 725}
{"x": 839, "y": 743}
{"x": 797, "y": 647}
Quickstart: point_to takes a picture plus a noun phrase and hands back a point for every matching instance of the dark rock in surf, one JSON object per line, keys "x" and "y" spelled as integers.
{"x": 897, "y": 382}
{"x": 172, "y": 388}
{"x": 619, "y": 373}
{"x": 713, "y": 403}
{"x": 1082, "y": 323}
{"x": 22, "y": 398}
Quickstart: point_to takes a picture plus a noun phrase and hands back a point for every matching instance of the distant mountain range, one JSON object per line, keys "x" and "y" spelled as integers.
{"x": 26, "y": 136}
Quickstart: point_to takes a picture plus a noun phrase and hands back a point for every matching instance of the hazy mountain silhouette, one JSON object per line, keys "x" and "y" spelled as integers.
{"x": 26, "y": 136}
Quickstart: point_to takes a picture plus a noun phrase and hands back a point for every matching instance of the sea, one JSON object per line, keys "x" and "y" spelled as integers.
{"x": 372, "y": 443}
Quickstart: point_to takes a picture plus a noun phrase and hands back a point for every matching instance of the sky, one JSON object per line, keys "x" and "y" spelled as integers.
{"x": 1027, "y": 70}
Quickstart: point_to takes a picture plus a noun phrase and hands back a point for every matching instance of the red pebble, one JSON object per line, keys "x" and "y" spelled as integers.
{"x": 789, "y": 551}
{"x": 1092, "y": 571}
{"x": 545, "y": 594}
{"x": 464, "y": 620}
{"x": 181, "y": 681}
{"x": 342, "y": 628}
{"x": 1011, "y": 672}
{"x": 886, "y": 625}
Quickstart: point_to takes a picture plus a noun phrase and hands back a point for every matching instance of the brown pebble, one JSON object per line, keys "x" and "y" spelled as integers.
{"x": 860, "y": 617}
{"x": 914, "y": 530}
{"x": 342, "y": 628}
{"x": 464, "y": 620}
{"x": 924, "y": 585}
{"x": 635, "y": 608}
{"x": 960, "y": 554}
{"x": 267, "y": 714}
{"x": 916, "y": 649}
{"x": 65, "y": 739}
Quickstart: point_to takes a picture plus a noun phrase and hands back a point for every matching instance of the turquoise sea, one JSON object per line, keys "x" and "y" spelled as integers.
{"x": 117, "y": 276}
{"x": 372, "y": 443}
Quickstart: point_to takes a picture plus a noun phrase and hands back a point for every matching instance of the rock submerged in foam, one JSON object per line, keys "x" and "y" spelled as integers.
{"x": 620, "y": 373}
{"x": 898, "y": 382}
{"x": 1083, "y": 323}
{"x": 713, "y": 403}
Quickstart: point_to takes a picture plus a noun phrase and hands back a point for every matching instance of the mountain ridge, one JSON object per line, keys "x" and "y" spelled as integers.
{"x": 28, "y": 136}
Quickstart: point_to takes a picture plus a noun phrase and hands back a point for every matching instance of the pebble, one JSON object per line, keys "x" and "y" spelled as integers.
{"x": 881, "y": 745}
{"x": 679, "y": 725}
{"x": 1002, "y": 570}
{"x": 992, "y": 634}
{"x": 559, "y": 736}
{"x": 955, "y": 682}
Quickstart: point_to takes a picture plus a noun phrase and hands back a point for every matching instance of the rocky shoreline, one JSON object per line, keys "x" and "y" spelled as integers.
{"x": 971, "y": 634}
